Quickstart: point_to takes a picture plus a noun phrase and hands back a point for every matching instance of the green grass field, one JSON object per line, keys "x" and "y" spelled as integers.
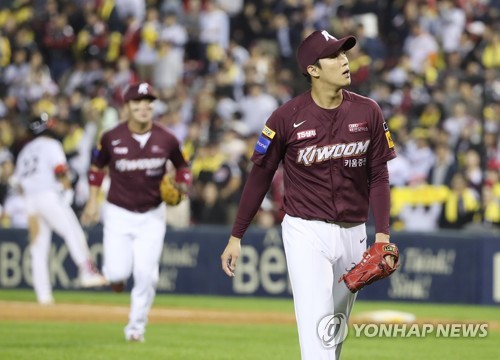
{"x": 20, "y": 340}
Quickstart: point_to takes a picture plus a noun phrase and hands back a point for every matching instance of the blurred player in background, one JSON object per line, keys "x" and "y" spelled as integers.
{"x": 334, "y": 145}
{"x": 135, "y": 154}
{"x": 41, "y": 173}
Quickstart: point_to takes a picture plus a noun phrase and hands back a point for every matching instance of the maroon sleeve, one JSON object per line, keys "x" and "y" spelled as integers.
{"x": 380, "y": 197}
{"x": 255, "y": 189}
{"x": 178, "y": 159}
{"x": 270, "y": 147}
{"x": 175, "y": 154}
{"x": 381, "y": 147}
{"x": 102, "y": 156}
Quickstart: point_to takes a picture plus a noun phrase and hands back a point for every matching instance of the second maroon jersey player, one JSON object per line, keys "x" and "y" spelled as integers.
{"x": 135, "y": 154}
{"x": 136, "y": 169}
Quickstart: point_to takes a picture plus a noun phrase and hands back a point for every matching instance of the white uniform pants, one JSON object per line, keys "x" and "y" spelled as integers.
{"x": 318, "y": 253}
{"x": 53, "y": 214}
{"x": 133, "y": 244}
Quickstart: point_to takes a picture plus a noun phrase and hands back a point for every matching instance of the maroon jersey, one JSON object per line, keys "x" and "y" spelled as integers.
{"x": 326, "y": 154}
{"x": 136, "y": 172}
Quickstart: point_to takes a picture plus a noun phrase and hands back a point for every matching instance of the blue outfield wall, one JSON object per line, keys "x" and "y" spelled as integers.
{"x": 444, "y": 267}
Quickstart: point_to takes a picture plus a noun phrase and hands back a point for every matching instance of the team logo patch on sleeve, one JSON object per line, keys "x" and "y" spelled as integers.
{"x": 268, "y": 132}
{"x": 262, "y": 144}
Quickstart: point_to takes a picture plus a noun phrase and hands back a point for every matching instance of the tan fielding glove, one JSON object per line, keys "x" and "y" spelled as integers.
{"x": 170, "y": 191}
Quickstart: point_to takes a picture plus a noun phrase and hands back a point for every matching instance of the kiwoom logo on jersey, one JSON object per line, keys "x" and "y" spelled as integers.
{"x": 332, "y": 330}
{"x": 314, "y": 154}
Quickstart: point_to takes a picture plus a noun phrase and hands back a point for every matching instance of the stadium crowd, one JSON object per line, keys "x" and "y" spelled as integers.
{"x": 220, "y": 67}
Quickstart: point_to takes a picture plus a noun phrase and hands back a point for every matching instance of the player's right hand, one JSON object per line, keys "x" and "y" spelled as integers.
{"x": 230, "y": 255}
{"x": 90, "y": 214}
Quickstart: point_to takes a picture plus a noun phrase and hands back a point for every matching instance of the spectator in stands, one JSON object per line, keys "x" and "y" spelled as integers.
{"x": 229, "y": 177}
{"x": 38, "y": 81}
{"x": 399, "y": 168}
{"x": 147, "y": 53}
{"x": 171, "y": 118}
{"x": 472, "y": 170}
{"x": 58, "y": 41}
{"x": 92, "y": 40}
{"x": 420, "y": 155}
{"x": 13, "y": 213}
{"x": 444, "y": 167}
{"x": 16, "y": 73}
{"x": 491, "y": 53}
{"x": 456, "y": 122}
{"x": 209, "y": 207}
{"x": 491, "y": 194}
{"x": 372, "y": 46}
{"x": 135, "y": 7}
{"x": 420, "y": 46}
{"x": 432, "y": 66}
{"x": 6, "y": 169}
{"x": 168, "y": 67}
{"x": 461, "y": 205}
{"x": 214, "y": 33}
{"x": 452, "y": 23}
{"x": 256, "y": 106}
{"x": 174, "y": 32}
{"x": 420, "y": 217}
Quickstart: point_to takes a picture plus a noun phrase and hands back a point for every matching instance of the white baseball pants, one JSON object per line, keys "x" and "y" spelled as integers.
{"x": 317, "y": 254}
{"x": 53, "y": 214}
{"x": 133, "y": 243}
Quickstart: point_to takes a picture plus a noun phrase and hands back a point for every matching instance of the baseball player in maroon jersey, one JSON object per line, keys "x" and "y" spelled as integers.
{"x": 334, "y": 146}
{"x": 135, "y": 154}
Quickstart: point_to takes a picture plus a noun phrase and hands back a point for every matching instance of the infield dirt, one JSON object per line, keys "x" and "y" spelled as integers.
{"x": 90, "y": 313}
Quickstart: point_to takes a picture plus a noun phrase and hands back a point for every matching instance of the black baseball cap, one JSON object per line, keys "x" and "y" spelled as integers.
{"x": 321, "y": 44}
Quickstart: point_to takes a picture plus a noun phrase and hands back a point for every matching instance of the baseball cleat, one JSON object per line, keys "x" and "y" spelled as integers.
{"x": 117, "y": 287}
{"x": 135, "y": 338}
{"x": 88, "y": 280}
{"x": 90, "y": 276}
{"x": 46, "y": 301}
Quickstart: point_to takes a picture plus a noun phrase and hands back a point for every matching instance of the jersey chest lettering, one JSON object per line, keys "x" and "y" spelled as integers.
{"x": 306, "y": 134}
{"x": 314, "y": 154}
{"x": 124, "y": 165}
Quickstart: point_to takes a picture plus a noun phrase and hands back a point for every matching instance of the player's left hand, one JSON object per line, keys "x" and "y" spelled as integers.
{"x": 384, "y": 238}
{"x": 378, "y": 262}
{"x": 230, "y": 255}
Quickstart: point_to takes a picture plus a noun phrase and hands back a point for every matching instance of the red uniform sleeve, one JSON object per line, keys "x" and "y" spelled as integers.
{"x": 255, "y": 189}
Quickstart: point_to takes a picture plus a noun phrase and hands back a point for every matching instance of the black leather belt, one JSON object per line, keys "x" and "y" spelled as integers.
{"x": 341, "y": 223}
